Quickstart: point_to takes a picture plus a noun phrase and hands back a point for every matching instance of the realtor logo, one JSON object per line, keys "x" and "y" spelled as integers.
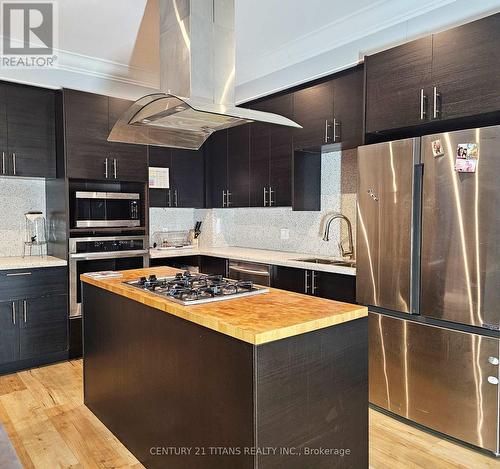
{"x": 28, "y": 34}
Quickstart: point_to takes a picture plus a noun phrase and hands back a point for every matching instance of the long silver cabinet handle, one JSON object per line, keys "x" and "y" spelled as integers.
{"x": 175, "y": 197}
{"x": 306, "y": 286}
{"x": 3, "y": 162}
{"x": 336, "y": 135}
{"x": 327, "y": 137}
{"x": 14, "y": 164}
{"x": 115, "y": 166}
{"x": 313, "y": 282}
{"x": 437, "y": 103}
{"x": 224, "y": 198}
{"x": 25, "y": 311}
{"x": 106, "y": 172}
{"x": 265, "y": 196}
{"x": 14, "y": 313}
{"x": 228, "y": 198}
{"x": 271, "y": 201}
{"x": 18, "y": 274}
{"x": 423, "y": 105}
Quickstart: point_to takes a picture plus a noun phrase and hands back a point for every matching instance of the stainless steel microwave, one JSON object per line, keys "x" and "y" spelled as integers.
{"x": 106, "y": 209}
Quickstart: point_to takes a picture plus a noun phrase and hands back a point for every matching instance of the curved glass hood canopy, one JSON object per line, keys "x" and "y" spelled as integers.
{"x": 197, "y": 73}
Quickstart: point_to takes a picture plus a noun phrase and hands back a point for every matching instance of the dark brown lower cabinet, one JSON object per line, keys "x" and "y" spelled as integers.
{"x": 199, "y": 399}
{"x": 33, "y": 317}
{"x": 311, "y": 282}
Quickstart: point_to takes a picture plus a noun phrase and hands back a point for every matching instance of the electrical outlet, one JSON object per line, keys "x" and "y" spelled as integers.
{"x": 285, "y": 233}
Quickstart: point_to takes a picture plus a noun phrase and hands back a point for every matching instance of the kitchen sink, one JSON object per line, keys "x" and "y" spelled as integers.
{"x": 316, "y": 260}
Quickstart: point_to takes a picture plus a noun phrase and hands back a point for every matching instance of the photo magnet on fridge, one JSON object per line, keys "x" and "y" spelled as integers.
{"x": 466, "y": 158}
{"x": 437, "y": 148}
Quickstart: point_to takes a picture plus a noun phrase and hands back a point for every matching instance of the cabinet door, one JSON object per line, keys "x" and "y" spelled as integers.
{"x": 238, "y": 166}
{"x": 260, "y": 140}
{"x": 86, "y": 117}
{"x": 291, "y": 279}
{"x": 281, "y": 154}
{"x": 31, "y": 131}
{"x": 216, "y": 169}
{"x": 313, "y": 110}
{"x": 394, "y": 80}
{"x": 43, "y": 326}
{"x": 348, "y": 95}
{"x": 129, "y": 162}
{"x": 160, "y": 157}
{"x": 334, "y": 286}
{"x": 187, "y": 178}
{"x": 213, "y": 265}
{"x": 466, "y": 68}
{"x": 8, "y": 332}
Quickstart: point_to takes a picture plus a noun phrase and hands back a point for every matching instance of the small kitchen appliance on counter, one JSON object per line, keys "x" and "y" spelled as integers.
{"x": 190, "y": 289}
{"x": 36, "y": 234}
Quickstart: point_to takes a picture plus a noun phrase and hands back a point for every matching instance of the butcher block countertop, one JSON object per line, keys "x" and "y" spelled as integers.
{"x": 255, "y": 319}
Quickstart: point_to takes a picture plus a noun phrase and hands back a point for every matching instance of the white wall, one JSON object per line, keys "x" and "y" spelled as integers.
{"x": 17, "y": 196}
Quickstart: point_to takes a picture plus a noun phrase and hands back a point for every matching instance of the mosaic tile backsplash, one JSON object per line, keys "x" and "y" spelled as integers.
{"x": 261, "y": 228}
{"x": 17, "y": 196}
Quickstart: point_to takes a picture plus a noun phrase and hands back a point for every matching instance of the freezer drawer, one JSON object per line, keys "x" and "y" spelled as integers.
{"x": 384, "y": 224}
{"x": 461, "y": 231}
{"x": 443, "y": 379}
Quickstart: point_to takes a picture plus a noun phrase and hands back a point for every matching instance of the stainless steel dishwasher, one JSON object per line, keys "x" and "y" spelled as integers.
{"x": 257, "y": 273}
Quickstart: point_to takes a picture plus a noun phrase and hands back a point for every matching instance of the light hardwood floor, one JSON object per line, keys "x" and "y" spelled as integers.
{"x": 43, "y": 413}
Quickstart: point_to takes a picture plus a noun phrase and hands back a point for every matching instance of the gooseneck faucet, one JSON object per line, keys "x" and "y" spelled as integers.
{"x": 349, "y": 252}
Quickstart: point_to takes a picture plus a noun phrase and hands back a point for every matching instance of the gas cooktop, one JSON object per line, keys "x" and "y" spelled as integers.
{"x": 189, "y": 289}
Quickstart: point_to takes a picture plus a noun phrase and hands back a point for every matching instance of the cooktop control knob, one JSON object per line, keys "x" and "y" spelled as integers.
{"x": 152, "y": 278}
{"x": 142, "y": 280}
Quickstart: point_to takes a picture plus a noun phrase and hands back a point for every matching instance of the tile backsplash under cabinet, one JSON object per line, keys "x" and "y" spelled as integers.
{"x": 17, "y": 196}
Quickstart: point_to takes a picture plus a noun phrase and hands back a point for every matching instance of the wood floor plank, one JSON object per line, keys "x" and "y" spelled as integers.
{"x": 43, "y": 443}
{"x": 42, "y": 411}
{"x": 89, "y": 439}
{"x": 396, "y": 445}
{"x": 15, "y": 439}
{"x": 10, "y": 383}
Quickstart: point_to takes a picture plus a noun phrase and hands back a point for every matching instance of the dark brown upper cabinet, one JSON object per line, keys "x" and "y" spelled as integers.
{"x": 88, "y": 120}
{"x": 449, "y": 75}
{"x": 228, "y": 165}
{"x": 313, "y": 110}
{"x": 238, "y": 166}
{"x": 186, "y": 178}
{"x": 216, "y": 169}
{"x": 331, "y": 113}
{"x": 397, "y": 86}
{"x": 271, "y": 154}
{"x": 27, "y": 125}
{"x": 466, "y": 69}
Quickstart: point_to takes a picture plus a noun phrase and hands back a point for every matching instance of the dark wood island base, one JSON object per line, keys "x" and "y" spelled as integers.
{"x": 180, "y": 395}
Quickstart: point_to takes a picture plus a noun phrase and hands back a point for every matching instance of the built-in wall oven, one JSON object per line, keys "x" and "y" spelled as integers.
{"x": 96, "y": 254}
{"x": 106, "y": 209}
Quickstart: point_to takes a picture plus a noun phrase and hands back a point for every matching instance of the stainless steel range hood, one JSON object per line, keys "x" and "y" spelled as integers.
{"x": 197, "y": 58}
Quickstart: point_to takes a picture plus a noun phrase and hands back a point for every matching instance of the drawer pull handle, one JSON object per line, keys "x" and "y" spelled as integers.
{"x": 18, "y": 274}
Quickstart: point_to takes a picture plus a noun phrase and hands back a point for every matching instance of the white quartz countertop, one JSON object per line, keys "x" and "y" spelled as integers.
{"x": 30, "y": 262}
{"x": 283, "y": 258}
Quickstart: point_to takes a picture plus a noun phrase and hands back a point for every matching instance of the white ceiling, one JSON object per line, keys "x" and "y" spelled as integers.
{"x": 112, "y": 46}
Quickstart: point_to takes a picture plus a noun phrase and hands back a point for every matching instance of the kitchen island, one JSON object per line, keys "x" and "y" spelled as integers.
{"x": 275, "y": 380}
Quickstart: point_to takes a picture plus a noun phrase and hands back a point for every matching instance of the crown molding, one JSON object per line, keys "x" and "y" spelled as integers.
{"x": 67, "y": 61}
{"x": 376, "y": 17}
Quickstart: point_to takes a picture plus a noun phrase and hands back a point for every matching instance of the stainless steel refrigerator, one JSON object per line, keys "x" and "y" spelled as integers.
{"x": 428, "y": 267}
